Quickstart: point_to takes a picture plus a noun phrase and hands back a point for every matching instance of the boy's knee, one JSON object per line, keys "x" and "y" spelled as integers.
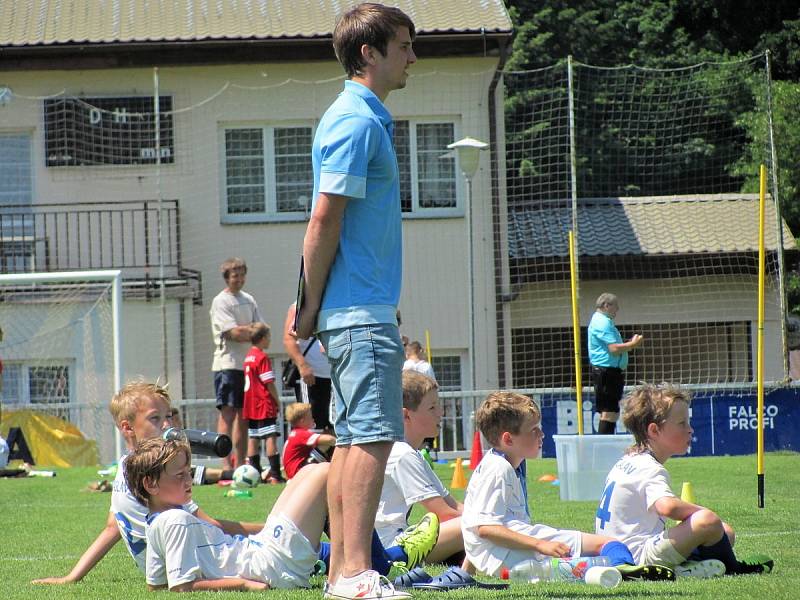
{"x": 729, "y": 532}
{"x": 707, "y": 521}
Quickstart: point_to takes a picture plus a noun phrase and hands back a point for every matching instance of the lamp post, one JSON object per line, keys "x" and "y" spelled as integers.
{"x": 469, "y": 150}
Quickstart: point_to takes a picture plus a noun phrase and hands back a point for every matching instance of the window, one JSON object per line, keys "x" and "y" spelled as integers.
{"x": 448, "y": 372}
{"x": 40, "y": 384}
{"x": 16, "y": 192}
{"x": 428, "y": 183}
{"x": 268, "y": 173}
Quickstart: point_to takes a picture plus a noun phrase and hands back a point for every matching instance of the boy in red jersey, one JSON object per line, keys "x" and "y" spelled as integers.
{"x": 261, "y": 405}
{"x": 303, "y": 444}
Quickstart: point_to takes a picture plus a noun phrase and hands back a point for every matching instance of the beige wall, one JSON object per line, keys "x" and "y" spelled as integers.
{"x": 435, "y": 271}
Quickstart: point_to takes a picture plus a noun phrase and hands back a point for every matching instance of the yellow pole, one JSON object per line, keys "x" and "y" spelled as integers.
{"x": 430, "y": 360}
{"x": 760, "y": 360}
{"x": 576, "y": 330}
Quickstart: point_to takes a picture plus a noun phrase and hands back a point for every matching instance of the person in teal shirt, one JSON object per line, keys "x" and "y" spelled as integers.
{"x": 608, "y": 355}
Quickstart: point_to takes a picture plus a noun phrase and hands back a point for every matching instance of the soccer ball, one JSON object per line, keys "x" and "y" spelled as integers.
{"x": 246, "y": 476}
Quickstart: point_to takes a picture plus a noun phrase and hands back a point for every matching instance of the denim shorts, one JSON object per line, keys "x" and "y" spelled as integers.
{"x": 366, "y": 376}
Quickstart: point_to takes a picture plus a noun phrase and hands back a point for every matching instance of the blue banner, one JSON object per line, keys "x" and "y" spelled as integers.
{"x": 724, "y": 421}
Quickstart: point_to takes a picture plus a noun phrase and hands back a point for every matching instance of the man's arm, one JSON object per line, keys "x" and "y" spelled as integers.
{"x": 230, "y": 527}
{"x": 319, "y": 249}
{"x": 507, "y": 538}
{"x": 636, "y": 340}
{"x": 228, "y": 584}
{"x": 242, "y": 333}
{"x": 93, "y": 554}
{"x": 293, "y": 350}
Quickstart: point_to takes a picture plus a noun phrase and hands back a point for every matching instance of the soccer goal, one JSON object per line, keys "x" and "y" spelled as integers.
{"x": 60, "y": 349}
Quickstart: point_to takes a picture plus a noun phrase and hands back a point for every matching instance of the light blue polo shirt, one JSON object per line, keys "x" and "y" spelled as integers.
{"x": 353, "y": 155}
{"x": 603, "y": 332}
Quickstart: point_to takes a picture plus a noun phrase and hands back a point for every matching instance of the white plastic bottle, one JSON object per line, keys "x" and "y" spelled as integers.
{"x": 554, "y": 569}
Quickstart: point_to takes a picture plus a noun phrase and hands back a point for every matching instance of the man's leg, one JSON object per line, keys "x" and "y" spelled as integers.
{"x": 239, "y": 437}
{"x": 335, "y": 516}
{"x": 361, "y": 484}
{"x": 225, "y": 425}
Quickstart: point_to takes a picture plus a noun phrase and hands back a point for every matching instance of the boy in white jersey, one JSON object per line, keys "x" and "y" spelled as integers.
{"x": 141, "y": 411}
{"x": 409, "y": 479}
{"x": 185, "y": 553}
{"x": 637, "y": 498}
{"x": 496, "y": 523}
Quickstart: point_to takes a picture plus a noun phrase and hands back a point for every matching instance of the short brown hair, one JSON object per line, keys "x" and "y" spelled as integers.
{"x": 296, "y": 412}
{"x": 232, "y": 264}
{"x": 125, "y": 403}
{"x": 371, "y": 24}
{"x": 504, "y": 411}
{"x": 415, "y": 386}
{"x": 148, "y": 462}
{"x": 647, "y": 404}
{"x": 260, "y": 331}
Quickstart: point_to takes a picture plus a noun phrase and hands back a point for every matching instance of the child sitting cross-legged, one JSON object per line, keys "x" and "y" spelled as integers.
{"x": 637, "y": 497}
{"x": 496, "y": 522}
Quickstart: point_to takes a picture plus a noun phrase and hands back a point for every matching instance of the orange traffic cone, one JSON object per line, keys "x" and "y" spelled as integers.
{"x": 477, "y": 451}
{"x": 459, "y": 481}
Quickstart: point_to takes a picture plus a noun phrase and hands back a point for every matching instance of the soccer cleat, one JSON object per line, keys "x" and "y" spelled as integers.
{"x": 272, "y": 478}
{"x": 756, "y": 563}
{"x": 418, "y": 540}
{"x": 701, "y": 569}
{"x": 646, "y": 573}
{"x": 369, "y": 585}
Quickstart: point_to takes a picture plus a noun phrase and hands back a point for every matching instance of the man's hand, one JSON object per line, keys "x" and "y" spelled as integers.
{"x": 306, "y": 374}
{"x": 636, "y": 340}
{"x": 306, "y": 322}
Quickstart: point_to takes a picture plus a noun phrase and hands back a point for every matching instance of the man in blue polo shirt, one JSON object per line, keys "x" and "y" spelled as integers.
{"x": 353, "y": 265}
{"x": 609, "y": 357}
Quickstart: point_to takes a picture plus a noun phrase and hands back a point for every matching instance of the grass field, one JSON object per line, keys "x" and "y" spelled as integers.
{"x": 46, "y": 524}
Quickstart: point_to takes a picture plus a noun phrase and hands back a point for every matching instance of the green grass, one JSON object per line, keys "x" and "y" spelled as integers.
{"x": 46, "y": 524}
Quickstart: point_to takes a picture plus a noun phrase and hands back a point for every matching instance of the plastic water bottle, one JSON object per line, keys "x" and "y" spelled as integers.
{"x": 241, "y": 494}
{"x": 554, "y": 569}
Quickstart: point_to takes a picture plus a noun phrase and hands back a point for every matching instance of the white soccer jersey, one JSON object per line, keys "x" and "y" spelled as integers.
{"x": 408, "y": 479}
{"x": 229, "y": 311}
{"x": 131, "y": 516}
{"x": 626, "y": 510}
{"x": 494, "y": 497}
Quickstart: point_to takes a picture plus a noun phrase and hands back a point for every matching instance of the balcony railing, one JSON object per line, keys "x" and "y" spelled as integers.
{"x": 97, "y": 235}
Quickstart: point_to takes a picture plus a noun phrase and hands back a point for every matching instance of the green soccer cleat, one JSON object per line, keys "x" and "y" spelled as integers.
{"x": 701, "y": 569}
{"x": 755, "y": 563}
{"x": 646, "y": 573}
{"x": 418, "y": 540}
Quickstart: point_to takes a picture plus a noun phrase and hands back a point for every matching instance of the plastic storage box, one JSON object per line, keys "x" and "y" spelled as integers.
{"x": 585, "y": 460}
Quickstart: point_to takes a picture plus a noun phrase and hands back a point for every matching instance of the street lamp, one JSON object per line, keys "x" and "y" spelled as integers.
{"x": 469, "y": 150}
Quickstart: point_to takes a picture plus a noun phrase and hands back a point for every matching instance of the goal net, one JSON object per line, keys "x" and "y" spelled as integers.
{"x": 58, "y": 350}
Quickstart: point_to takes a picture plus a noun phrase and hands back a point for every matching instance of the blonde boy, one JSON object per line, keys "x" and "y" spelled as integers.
{"x": 141, "y": 411}
{"x": 409, "y": 479}
{"x": 496, "y": 523}
{"x": 637, "y": 498}
{"x": 303, "y": 445}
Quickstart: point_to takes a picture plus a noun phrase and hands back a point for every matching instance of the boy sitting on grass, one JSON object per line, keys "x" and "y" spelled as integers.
{"x": 409, "y": 479}
{"x": 496, "y": 522}
{"x": 141, "y": 411}
{"x": 303, "y": 445}
{"x": 637, "y": 497}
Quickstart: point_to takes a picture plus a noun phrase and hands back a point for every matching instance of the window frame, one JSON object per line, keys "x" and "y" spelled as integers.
{"x": 416, "y": 211}
{"x": 270, "y": 213}
{"x": 23, "y": 391}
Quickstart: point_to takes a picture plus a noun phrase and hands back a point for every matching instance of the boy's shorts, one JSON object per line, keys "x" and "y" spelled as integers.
{"x": 366, "y": 374}
{"x": 285, "y": 558}
{"x": 609, "y": 385}
{"x": 659, "y": 551}
{"x": 544, "y": 532}
{"x": 262, "y": 428}
{"x": 229, "y": 388}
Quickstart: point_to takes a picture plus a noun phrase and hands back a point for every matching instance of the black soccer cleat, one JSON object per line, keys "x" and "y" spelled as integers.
{"x": 646, "y": 573}
{"x": 755, "y": 564}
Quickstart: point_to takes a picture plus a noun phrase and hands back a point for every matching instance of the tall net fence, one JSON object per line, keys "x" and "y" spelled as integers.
{"x": 655, "y": 172}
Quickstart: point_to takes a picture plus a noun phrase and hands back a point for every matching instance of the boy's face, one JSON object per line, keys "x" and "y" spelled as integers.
{"x": 152, "y": 417}
{"x": 428, "y": 416}
{"x": 307, "y": 422}
{"x": 265, "y": 341}
{"x": 675, "y": 435}
{"x": 174, "y": 485}
{"x": 528, "y": 442}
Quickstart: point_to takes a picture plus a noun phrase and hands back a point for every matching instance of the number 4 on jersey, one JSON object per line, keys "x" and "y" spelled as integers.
{"x": 603, "y": 514}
